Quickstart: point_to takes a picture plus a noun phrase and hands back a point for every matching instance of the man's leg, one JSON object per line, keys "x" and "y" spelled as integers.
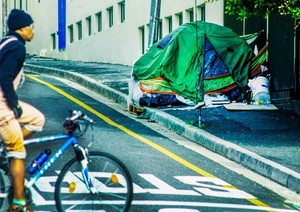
{"x": 26, "y": 133}
{"x": 17, "y": 169}
{"x": 32, "y": 120}
{"x": 13, "y": 133}
{"x": 12, "y": 136}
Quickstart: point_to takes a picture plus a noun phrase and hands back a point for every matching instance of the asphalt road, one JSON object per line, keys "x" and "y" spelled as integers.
{"x": 169, "y": 173}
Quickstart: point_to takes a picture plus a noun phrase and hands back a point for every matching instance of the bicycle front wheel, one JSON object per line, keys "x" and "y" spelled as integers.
{"x": 110, "y": 177}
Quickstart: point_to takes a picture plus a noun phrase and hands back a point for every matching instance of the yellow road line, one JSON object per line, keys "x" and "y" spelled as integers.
{"x": 137, "y": 136}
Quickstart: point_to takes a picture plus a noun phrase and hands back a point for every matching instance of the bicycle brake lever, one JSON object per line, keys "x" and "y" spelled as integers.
{"x": 85, "y": 117}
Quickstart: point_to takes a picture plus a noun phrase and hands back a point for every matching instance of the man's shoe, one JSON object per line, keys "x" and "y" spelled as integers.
{"x": 17, "y": 208}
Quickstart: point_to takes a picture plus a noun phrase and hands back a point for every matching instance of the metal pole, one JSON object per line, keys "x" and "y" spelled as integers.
{"x": 154, "y": 18}
{"x": 200, "y": 84}
{"x": 4, "y": 16}
{"x": 195, "y": 11}
{"x": 201, "y": 76}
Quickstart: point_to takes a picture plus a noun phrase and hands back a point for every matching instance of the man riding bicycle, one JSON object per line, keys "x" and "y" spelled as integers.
{"x": 18, "y": 120}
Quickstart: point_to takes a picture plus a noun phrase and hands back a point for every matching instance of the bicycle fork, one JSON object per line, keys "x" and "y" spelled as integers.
{"x": 83, "y": 157}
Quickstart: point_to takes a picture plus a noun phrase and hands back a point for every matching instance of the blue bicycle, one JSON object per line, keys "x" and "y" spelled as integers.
{"x": 91, "y": 181}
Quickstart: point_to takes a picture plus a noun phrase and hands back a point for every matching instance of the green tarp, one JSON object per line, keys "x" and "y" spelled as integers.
{"x": 180, "y": 59}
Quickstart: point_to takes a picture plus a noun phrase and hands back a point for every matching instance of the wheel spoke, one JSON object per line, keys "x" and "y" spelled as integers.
{"x": 110, "y": 178}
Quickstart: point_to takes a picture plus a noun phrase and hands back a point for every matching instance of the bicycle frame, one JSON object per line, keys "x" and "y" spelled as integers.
{"x": 120, "y": 180}
{"x": 80, "y": 153}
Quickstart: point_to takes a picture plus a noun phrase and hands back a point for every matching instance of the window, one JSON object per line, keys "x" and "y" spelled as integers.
{"x": 159, "y": 30}
{"x": 99, "y": 21}
{"x": 122, "y": 11}
{"x": 142, "y": 38}
{"x": 88, "y": 21}
{"x": 71, "y": 33}
{"x": 179, "y": 18}
{"x": 191, "y": 15}
{"x": 53, "y": 39}
{"x": 170, "y": 23}
{"x": 110, "y": 14}
{"x": 201, "y": 12}
{"x": 79, "y": 30}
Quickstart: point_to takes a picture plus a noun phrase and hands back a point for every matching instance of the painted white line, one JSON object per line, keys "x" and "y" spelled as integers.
{"x": 210, "y": 205}
{"x": 239, "y": 169}
{"x": 182, "y": 204}
{"x": 3, "y": 195}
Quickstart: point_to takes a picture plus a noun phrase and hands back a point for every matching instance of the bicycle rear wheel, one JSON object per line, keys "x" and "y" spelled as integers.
{"x": 5, "y": 185}
{"x": 110, "y": 177}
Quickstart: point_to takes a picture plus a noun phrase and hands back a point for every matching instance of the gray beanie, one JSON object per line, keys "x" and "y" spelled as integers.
{"x": 18, "y": 19}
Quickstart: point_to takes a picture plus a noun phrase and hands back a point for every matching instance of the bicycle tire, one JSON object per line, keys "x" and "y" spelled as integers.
{"x": 5, "y": 186}
{"x": 108, "y": 172}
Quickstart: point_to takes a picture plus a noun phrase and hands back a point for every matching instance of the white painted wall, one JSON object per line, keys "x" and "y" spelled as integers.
{"x": 119, "y": 44}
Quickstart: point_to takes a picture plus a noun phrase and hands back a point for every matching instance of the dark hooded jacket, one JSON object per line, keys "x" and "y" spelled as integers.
{"x": 12, "y": 57}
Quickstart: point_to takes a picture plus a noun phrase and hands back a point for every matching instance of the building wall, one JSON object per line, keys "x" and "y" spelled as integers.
{"x": 123, "y": 43}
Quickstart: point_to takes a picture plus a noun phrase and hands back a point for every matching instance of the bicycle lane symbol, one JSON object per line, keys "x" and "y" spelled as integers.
{"x": 202, "y": 186}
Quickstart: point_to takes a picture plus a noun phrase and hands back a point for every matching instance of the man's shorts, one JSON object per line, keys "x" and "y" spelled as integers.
{"x": 11, "y": 129}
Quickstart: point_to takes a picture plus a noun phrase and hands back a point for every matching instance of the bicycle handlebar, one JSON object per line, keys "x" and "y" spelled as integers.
{"x": 77, "y": 114}
{"x": 85, "y": 117}
{"x": 71, "y": 123}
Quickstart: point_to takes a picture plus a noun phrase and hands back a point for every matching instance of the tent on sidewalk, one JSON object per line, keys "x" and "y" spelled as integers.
{"x": 195, "y": 58}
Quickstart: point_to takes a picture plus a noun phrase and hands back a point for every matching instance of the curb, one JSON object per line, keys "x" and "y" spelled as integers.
{"x": 274, "y": 171}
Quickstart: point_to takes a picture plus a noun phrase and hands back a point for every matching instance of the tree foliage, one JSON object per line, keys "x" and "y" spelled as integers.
{"x": 246, "y": 8}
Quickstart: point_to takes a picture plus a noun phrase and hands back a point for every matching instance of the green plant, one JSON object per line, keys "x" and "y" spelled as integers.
{"x": 246, "y": 8}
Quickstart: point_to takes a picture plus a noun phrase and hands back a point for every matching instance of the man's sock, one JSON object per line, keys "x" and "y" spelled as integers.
{"x": 19, "y": 202}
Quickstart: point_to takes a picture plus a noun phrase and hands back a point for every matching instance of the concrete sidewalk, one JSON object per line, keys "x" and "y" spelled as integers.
{"x": 267, "y": 142}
